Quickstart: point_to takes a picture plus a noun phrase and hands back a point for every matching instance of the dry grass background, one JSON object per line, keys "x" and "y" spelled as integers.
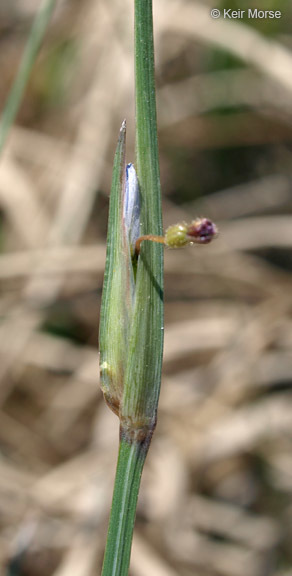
{"x": 216, "y": 492}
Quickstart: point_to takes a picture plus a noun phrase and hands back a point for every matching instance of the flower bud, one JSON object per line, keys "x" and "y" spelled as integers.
{"x": 201, "y": 230}
{"x": 176, "y": 236}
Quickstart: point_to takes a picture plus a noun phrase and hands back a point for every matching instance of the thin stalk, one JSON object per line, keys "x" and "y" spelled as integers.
{"x": 29, "y": 56}
{"x": 142, "y": 374}
{"x": 127, "y": 483}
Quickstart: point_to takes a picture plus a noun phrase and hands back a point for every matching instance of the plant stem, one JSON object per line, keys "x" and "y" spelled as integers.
{"x": 143, "y": 374}
{"x": 142, "y": 377}
{"x": 30, "y": 53}
{"x": 149, "y": 238}
{"x": 128, "y": 475}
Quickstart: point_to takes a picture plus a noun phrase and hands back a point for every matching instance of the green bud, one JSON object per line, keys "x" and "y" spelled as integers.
{"x": 176, "y": 236}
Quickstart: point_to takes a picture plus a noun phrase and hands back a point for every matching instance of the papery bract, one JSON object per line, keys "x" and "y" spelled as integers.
{"x": 118, "y": 295}
{"x": 131, "y": 209}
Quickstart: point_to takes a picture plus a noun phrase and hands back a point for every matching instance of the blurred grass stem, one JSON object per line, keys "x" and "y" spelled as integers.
{"x": 29, "y": 56}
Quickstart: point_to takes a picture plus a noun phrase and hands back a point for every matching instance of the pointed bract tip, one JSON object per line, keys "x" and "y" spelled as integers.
{"x": 123, "y": 126}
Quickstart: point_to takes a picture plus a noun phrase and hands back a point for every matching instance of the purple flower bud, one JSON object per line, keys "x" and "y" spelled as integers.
{"x": 131, "y": 212}
{"x": 202, "y": 231}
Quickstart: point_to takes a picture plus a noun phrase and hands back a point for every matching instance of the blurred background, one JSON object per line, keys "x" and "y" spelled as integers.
{"x": 216, "y": 491}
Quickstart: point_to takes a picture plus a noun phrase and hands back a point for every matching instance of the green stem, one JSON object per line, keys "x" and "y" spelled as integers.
{"x": 142, "y": 376}
{"x": 30, "y": 53}
{"x": 143, "y": 373}
{"x": 128, "y": 476}
{"x": 147, "y": 155}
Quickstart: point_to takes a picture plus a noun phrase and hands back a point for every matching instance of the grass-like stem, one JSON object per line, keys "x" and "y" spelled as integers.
{"x": 142, "y": 368}
{"x": 15, "y": 96}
